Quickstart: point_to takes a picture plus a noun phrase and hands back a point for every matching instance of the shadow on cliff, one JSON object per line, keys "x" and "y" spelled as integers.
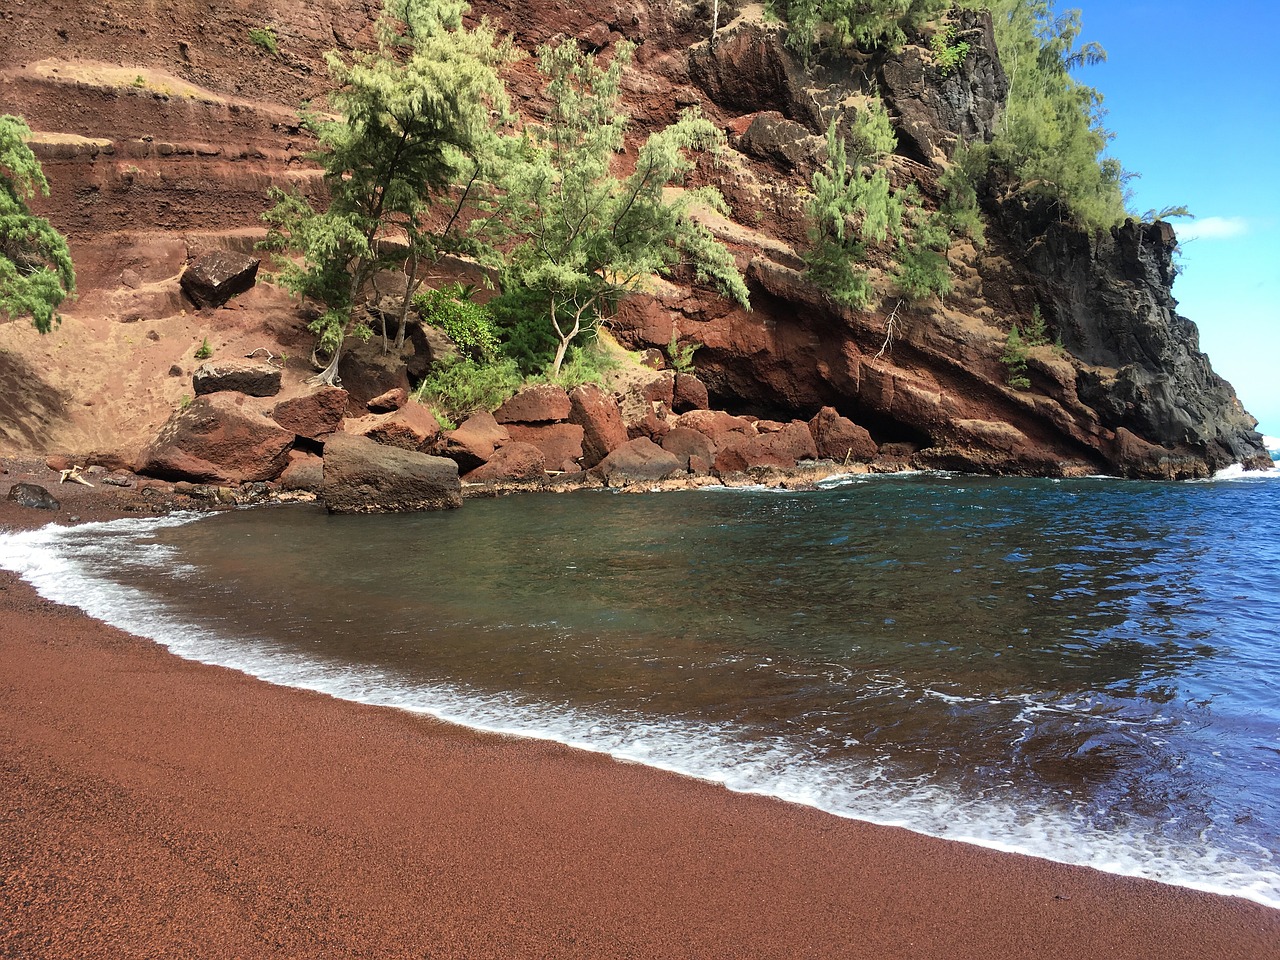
{"x": 28, "y": 405}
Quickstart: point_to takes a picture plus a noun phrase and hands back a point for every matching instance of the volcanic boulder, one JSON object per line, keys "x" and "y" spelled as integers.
{"x": 218, "y": 439}
{"x": 639, "y": 460}
{"x": 598, "y": 415}
{"x": 256, "y": 378}
{"x": 218, "y": 276}
{"x": 34, "y": 496}
{"x": 363, "y": 476}
{"x": 314, "y": 415}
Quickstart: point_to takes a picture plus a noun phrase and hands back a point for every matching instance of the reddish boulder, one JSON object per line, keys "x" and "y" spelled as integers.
{"x": 600, "y": 418}
{"x": 393, "y": 399}
{"x": 560, "y": 443}
{"x": 304, "y": 472}
{"x": 542, "y": 403}
{"x": 514, "y": 461}
{"x": 716, "y": 424}
{"x": 362, "y": 476}
{"x": 690, "y": 394}
{"x": 218, "y": 439}
{"x": 783, "y": 449}
{"x": 661, "y": 389}
{"x": 839, "y": 438}
{"x": 313, "y": 415}
{"x": 639, "y": 460}
{"x": 412, "y": 427}
{"x": 688, "y": 444}
{"x": 257, "y": 378}
{"x": 473, "y": 443}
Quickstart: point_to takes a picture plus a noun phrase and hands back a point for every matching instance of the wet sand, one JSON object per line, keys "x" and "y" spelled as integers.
{"x": 154, "y": 807}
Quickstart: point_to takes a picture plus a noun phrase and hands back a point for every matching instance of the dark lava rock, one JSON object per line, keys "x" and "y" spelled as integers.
{"x": 256, "y": 378}
{"x": 363, "y": 476}
{"x": 218, "y": 276}
{"x": 34, "y": 496}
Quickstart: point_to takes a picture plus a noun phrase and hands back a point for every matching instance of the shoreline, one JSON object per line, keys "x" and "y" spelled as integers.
{"x": 208, "y": 813}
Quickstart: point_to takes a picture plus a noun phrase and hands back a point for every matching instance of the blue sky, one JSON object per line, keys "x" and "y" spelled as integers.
{"x": 1193, "y": 91}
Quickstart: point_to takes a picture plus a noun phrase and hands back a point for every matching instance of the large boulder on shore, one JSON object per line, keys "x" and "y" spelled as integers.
{"x": 840, "y": 439}
{"x": 639, "y": 460}
{"x": 600, "y": 418}
{"x": 33, "y": 496}
{"x": 541, "y": 403}
{"x": 218, "y": 276}
{"x": 473, "y": 443}
{"x": 560, "y": 443}
{"x": 313, "y": 415}
{"x": 257, "y": 378}
{"x": 513, "y": 461}
{"x": 220, "y": 438}
{"x": 363, "y": 476}
{"x": 412, "y": 427}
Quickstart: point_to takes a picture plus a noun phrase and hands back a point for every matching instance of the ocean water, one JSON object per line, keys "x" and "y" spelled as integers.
{"x": 1085, "y": 670}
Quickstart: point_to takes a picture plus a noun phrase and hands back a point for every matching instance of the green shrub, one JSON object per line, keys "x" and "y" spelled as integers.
{"x": 468, "y": 324}
{"x": 948, "y": 54}
{"x": 681, "y": 357}
{"x": 1036, "y": 334}
{"x": 586, "y": 364}
{"x": 265, "y": 39}
{"x": 204, "y": 351}
{"x": 460, "y": 386}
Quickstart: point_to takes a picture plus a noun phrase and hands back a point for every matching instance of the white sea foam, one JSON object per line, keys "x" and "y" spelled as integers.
{"x": 61, "y": 564}
{"x": 1271, "y": 443}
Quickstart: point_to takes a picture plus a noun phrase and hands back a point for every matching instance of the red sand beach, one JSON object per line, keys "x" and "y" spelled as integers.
{"x": 152, "y": 807}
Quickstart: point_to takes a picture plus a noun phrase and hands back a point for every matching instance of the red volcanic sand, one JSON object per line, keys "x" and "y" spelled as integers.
{"x": 152, "y": 807}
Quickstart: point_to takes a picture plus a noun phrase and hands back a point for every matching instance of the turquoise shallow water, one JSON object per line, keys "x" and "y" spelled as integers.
{"x": 1083, "y": 670}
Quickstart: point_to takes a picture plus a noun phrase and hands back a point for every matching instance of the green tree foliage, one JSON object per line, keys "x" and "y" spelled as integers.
{"x": 1014, "y": 359}
{"x": 1051, "y": 136}
{"x": 858, "y": 23}
{"x": 852, "y": 205}
{"x": 587, "y": 236}
{"x": 36, "y": 273}
{"x": 415, "y": 119}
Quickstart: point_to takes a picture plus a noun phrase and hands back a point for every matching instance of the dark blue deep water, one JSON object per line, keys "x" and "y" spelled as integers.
{"x": 1083, "y": 670}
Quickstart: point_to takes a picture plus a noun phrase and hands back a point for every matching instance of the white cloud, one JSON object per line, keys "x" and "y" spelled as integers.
{"x": 1212, "y": 228}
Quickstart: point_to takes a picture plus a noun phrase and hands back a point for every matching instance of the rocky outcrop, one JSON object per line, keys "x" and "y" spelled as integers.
{"x": 936, "y": 109}
{"x": 1109, "y": 298}
{"x": 362, "y": 476}
{"x": 219, "y": 438}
